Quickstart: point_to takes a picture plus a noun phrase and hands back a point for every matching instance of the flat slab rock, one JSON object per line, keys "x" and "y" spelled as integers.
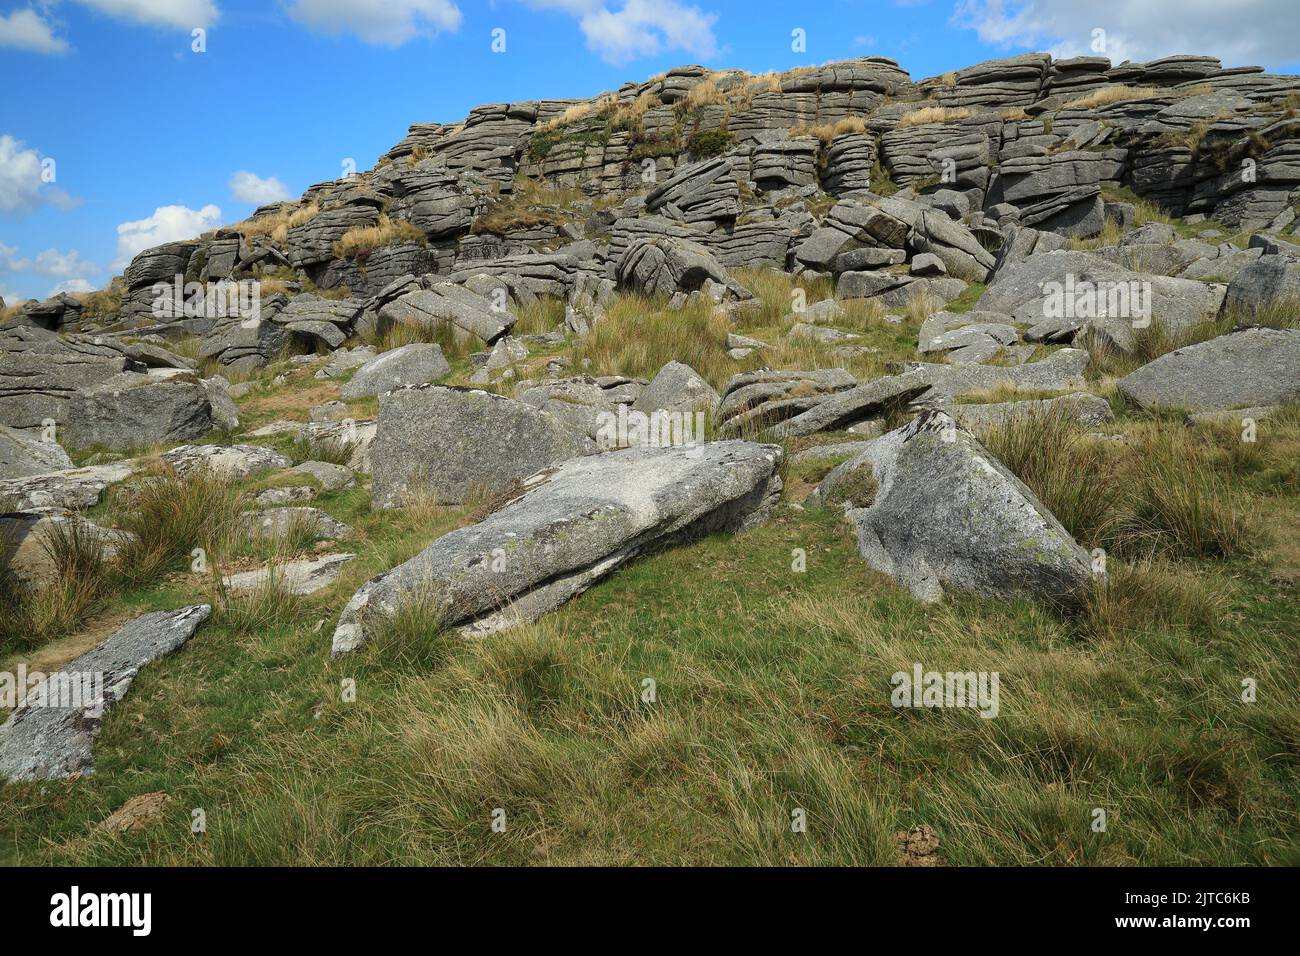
{"x": 232, "y": 462}
{"x": 946, "y": 514}
{"x": 45, "y": 743}
{"x": 574, "y": 524}
{"x": 294, "y": 577}
{"x": 72, "y": 489}
{"x": 1249, "y": 367}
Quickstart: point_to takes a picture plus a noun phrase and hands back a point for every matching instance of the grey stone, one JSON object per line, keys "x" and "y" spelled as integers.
{"x": 231, "y": 462}
{"x": 414, "y": 364}
{"x": 573, "y": 524}
{"x": 449, "y": 443}
{"x": 48, "y": 742}
{"x": 1249, "y": 367}
{"x": 306, "y": 576}
{"x": 23, "y": 453}
{"x": 947, "y": 514}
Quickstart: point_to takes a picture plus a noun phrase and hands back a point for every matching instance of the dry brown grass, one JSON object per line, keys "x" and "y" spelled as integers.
{"x": 827, "y": 132}
{"x": 934, "y": 114}
{"x": 604, "y": 103}
{"x": 1107, "y": 95}
{"x": 277, "y": 225}
{"x": 386, "y": 232}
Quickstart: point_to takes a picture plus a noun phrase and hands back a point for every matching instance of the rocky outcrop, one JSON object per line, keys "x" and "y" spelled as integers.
{"x": 572, "y": 525}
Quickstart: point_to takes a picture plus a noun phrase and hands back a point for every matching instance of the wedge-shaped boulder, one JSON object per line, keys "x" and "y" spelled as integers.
{"x": 23, "y": 453}
{"x": 43, "y": 740}
{"x": 1248, "y": 367}
{"x": 413, "y": 364}
{"x": 445, "y": 303}
{"x": 449, "y": 443}
{"x": 934, "y": 510}
{"x": 572, "y": 525}
{"x": 667, "y": 265}
{"x": 868, "y": 400}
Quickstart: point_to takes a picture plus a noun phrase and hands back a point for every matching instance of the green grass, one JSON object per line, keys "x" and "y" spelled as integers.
{"x": 771, "y": 686}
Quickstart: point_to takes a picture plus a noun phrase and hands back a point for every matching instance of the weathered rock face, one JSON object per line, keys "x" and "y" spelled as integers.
{"x": 573, "y": 525}
{"x": 677, "y": 388}
{"x": 36, "y": 385}
{"x": 24, "y": 454}
{"x": 448, "y": 443}
{"x": 414, "y": 364}
{"x": 1249, "y": 367}
{"x": 843, "y": 409}
{"x": 435, "y": 304}
{"x": 40, "y": 742}
{"x": 944, "y": 513}
{"x": 281, "y": 523}
{"x": 585, "y": 402}
{"x": 1080, "y": 407}
{"x": 306, "y": 576}
{"x": 1062, "y": 293}
{"x": 72, "y": 489}
{"x": 132, "y": 411}
{"x": 666, "y": 265}
{"x": 1063, "y": 370}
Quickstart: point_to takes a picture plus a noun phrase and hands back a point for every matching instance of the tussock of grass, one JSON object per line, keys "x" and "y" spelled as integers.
{"x": 60, "y": 603}
{"x": 364, "y": 239}
{"x": 1164, "y": 493}
{"x": 170, "y": 516}
{"x": 1107, "y": 95}
{"x": 639, "y": 335}
{"x": 828, "y": 132}
{"x": 277, "y": 225}
{"x": 934, "y": 114}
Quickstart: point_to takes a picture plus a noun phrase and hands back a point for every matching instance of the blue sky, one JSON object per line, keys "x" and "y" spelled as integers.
{"x": 149, "y": 140}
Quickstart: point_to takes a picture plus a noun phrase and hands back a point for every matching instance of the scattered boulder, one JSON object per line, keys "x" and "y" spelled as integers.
{"x": 572, "y": 525}
{"x": 44, "y": 742}
{"x": 450, "y": 443}
{"x": 1248, "y": 367}
{"x": 944, "y": 513}
{"x": 231, "y": 462}
{"x": 292, "y": 577}
{"x": 414, "y": 364}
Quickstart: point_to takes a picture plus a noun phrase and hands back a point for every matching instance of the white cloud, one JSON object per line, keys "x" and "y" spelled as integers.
{"x": 1264, "y": 32}
{"x": 27, "y": 30}
{"x": 167, "y": 224}
{"x": 640, "y": 28}
{"x": 50, "y": 262}
{"x": 22, "y": 180}
{"x": 181, "y": 14}
{"x": 251, "y": 188}
{"x": 381, "y": 22}
{"x": 71, "y": 285}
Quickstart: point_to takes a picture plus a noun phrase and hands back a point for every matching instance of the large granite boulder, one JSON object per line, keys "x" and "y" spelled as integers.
{"x": 934, "y": 510}
{"x": 450, "y": 443}
{"x": 135, "y": 411}
{"x": 572, "y": 525}
{"x": 414, "y": 364}
{"x": 1248, "y": 367}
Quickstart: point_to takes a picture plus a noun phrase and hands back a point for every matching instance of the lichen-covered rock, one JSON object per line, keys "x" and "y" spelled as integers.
{"x": 1248, "y": 367}
{"x": 572, "y": 525}
{"x": 447, "y": 444}
{"x": 414, "y": 364}
{"x": 41, "y": 741}
{"x": 944, "y": 513}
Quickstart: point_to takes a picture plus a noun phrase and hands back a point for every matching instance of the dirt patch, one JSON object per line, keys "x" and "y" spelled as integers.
{"x": 919, "y": 846}
{"x": 138, "y": 813}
